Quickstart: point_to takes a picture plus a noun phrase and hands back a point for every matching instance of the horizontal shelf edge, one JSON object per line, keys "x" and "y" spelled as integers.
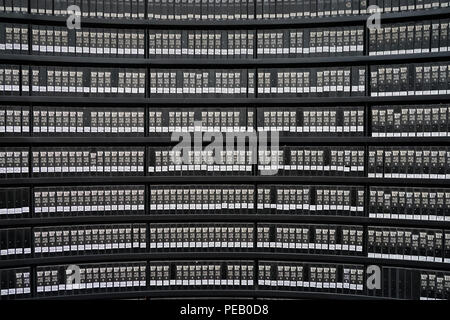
{"x": 250, "y": 23}
{"x": 166, "y": 140}
{"x": 214, "y": 63}
{"x": 180, "y": 102}
{"x": 224, "y": 293}
{"x": 242, "y": 255}
{"x": 253, "y": 218}
{"x": 219, "y": 179}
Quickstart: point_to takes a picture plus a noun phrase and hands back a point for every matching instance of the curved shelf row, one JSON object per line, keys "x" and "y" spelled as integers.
{"x": 221, "y": 63}
{"x": 244, "y": 255}
{"x": 166, "y": 140}
{"x": 228, "y": 293}
{"x": 227, "y": 24}
{"x": 188, "y": 102}
{"x": 257, "y": 217}
{"x": 73, "y": 180}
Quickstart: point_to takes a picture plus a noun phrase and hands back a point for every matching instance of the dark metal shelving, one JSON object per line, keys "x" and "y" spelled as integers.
{"x": 256, "y": 217}
{"x": 226, "y": 24}
{"x": 166, "y": 140}
{"x": 224, "y": 293}
{"x": 220, "y": 179}
{"x": 189, "y": 102}
{"x": 221, "y": 255}
{"x": 222, "y": 63}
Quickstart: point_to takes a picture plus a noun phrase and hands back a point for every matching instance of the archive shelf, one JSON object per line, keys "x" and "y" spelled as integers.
{"x": 189, "y": 102}
{"x": 237, "y": 255}
{"x": 257, "y": 217}
{"x": 165, "y": 140}
{"x": 219, "y": 180}
{"x": 224, "y": 293}
{"x": 222, "y": 63}
{"x": 227, "y": 24}
{"x": 366, "y": 101}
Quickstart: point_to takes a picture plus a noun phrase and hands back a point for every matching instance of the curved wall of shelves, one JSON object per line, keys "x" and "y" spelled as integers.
{"x": 410, "y": 259}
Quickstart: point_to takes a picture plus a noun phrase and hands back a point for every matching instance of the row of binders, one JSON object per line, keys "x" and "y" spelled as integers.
{"x": 415, "y": 203}
{"x": 312, "y": 161}
{"x": 385, "y": 202}
{"x": 312, "y": 82}
{"x": 403, "y": 203}
{"x": 393, "y": 243}
{"x": 409, "y": 162}
{"x": 390, "y": 39}
{"x": 55, "y": 40}
{"x": 409, "y": 38}
{"x": 195, "y": 236}
{"x": 394, "y": 80}
{"x": 347, "y": 279}
{"x": 398, "y": 243}
{"x": 217, "y": 9}
{"x": 429, "y": 120}
{"x": 311, "y": 238}
{"x": 64, "y": 240}
{"x": 410, "y": 121}
{"x": 409, "y": 79}
{"x": 307, "y": 121}
{"x": 390, "y": 162}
